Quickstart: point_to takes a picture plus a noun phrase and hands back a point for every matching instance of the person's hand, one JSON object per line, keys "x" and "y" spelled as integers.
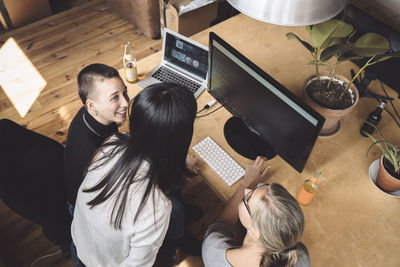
{"x": 192, "y": 164}
{"x": 255, "y": 173}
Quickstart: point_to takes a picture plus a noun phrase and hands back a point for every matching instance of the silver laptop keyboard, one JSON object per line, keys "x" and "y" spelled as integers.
{"x": 220, "y": 161}
{"x": 166, "y": 75}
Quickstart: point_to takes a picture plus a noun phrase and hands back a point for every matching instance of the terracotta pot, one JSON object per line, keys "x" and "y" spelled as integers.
{"x": 333, "y": 116}
{"x": 385, "y": 180}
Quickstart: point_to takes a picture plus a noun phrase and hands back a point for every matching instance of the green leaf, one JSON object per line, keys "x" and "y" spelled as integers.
{"x": 385, "y": 56}
{"x": 323, "y": 63}
{"x": 348, "y": 58}
{"x": 391, "y": 156}
{"x": 379, "y": 59}
{"x": 389, "y": 150}
{"x": 336, "y": 41}
{"x": 375, "y": 142}
{"x": 377, "y": 129}
{"x": 323, "y": 34}
{"x": 292, "y": 36}
{"x": 351, "y": 35}
{"x": 371, "y": 44}
{"x": 378, "y": 145}
{"x": 369, "y": 135}
{"x": 393, "y": 54}
{"x": 389, "y": 145}
{"x": 334, "y": 50}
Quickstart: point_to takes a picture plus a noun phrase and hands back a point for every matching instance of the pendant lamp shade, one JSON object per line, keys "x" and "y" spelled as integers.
{"x": 290, "y": 12}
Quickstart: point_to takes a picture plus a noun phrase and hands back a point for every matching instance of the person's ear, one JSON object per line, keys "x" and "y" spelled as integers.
{"x": 90, "y": 105}
{"x": 254, "y": 234}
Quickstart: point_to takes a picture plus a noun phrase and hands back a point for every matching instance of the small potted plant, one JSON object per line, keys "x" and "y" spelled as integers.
{"x": 332, "y": 95}
{"x": 388, "y": 177}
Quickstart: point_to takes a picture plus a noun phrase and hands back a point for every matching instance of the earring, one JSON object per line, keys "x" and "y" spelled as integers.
{"x": 96, "y": 114}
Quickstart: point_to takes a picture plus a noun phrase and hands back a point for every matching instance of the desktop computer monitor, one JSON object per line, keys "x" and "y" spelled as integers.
{"x": 267, "y": 118}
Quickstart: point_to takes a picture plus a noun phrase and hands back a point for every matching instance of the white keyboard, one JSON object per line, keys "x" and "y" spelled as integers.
{"x": 225, "y": 166}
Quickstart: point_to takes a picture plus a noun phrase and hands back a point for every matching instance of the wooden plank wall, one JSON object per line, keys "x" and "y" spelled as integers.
{"x": 59, "y": 47}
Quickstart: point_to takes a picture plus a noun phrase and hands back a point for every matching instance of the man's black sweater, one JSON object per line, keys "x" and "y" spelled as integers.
{"x": 85, "y": 135}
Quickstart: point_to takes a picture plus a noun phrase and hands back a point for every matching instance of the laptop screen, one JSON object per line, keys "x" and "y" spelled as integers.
{"x": 186, "y": 55}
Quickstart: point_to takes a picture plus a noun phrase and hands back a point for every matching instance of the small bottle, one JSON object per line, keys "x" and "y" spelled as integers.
{"x": 129, "y": 62}
{"x": 308, "y": 189}
{"x": 374, "y": 117}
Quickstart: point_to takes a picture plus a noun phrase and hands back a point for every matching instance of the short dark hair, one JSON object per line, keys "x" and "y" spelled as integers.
{"x": 88, "y": 75}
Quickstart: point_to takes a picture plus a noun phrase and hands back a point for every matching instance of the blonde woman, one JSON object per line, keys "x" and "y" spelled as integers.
{"x": 273, "y": 221}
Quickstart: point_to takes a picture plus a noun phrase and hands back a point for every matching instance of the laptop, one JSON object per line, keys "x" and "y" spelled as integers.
{"x": 183, "y": 62}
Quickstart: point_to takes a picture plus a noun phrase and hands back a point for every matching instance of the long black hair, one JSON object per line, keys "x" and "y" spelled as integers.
{"x": 161, "y": 128}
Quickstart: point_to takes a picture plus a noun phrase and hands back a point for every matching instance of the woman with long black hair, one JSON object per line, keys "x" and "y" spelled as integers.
{"x": 122, "y": 210}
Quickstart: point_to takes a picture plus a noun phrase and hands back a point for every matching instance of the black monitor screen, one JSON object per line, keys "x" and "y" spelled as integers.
{"x": 285, "y": 122}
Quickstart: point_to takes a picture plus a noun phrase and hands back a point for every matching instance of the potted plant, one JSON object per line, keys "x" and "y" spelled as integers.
{"x": 388, "y": 177}
{"x": 332, "y": 95}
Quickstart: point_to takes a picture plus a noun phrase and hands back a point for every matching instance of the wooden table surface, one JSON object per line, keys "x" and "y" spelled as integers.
{"x": 349, "y": 222}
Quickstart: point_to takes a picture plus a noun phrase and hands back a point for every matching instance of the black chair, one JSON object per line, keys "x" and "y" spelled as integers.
{"x": 31, "y": 180}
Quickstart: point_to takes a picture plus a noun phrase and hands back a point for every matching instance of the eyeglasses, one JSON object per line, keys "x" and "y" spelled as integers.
{"x": 247, "y": 197}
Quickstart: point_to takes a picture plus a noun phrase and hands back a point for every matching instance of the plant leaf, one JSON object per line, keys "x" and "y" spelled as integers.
{"x": 323, "y": 63}
{"x": 392, "y": 158}
{"x": 323, "y": 34}
{"x": 371, "y": 44}
{"x": 391, "y": 154}
{"x": 336, "y": 41}
{"x": 379, "y": 131}
{"x": 385, "y": 56}
{"x": 375, "y": 142}
{"x": 393, "y": 54}
{"x": 380, "y": 59}
{"x": 334, "y": 50}
{"x": 348, "y": 58}
{"x": 388, "y": 145}
{"x": 396, "y": 162}
{"x": 387, "y": 151}
{"x": 390, "y": 151}
{"x": 351, "y": 35}
{"x": 378, "y": 145}
{"x": 292, "y": 36}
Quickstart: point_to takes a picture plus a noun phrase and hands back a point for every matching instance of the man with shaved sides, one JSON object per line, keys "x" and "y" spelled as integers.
{"x": 105, "y": 101}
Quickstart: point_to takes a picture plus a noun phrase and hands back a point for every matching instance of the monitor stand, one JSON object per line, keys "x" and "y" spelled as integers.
{"x": 245, "y": 141}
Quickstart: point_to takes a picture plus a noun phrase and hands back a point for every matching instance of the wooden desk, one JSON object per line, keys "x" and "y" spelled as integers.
{"x": 349, "y": 222}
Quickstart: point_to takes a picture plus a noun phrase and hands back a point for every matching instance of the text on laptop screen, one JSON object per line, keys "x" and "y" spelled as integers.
{"x": 186, "y": 55}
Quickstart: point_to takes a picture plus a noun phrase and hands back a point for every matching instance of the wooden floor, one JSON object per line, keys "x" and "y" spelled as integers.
{"x": 59, "y": 47}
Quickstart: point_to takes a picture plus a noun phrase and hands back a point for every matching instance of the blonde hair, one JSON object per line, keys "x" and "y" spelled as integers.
{"x": 280, "y": 222}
